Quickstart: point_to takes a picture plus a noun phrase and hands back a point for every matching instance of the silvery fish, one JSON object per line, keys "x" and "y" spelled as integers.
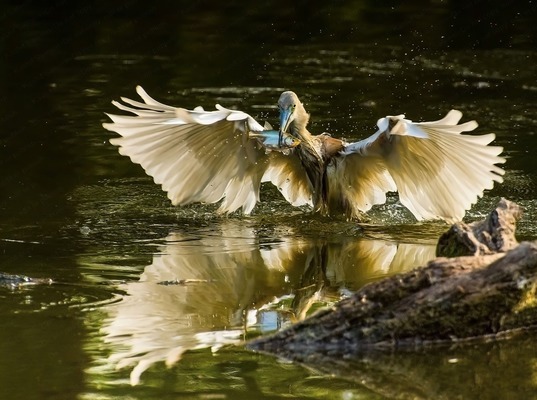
{"x": 270, "y": 139}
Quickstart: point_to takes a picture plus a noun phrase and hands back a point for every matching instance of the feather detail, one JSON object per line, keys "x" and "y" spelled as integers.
{"x": 197, "y": 156}
{"x": 288, "y": 175}
{"x": 438, "y": 172}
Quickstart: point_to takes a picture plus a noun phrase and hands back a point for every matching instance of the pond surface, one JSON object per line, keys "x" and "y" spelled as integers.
{"x": 150, "y": 301}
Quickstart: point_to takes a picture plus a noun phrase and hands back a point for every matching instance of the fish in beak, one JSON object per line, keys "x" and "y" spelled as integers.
{"x": 275, "y": 140}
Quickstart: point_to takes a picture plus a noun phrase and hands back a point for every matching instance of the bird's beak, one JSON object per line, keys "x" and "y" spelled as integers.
{"x": 285, "y": 120}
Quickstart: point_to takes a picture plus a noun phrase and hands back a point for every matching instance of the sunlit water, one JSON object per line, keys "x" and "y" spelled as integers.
{"x": 162, "y": 298}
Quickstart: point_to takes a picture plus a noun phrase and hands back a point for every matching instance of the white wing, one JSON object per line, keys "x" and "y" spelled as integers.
{"x": 196, "y": 155}
{"x": 438, "y": 171}
{"x": 358, "y": 183}
{"x": 287, "y": 174}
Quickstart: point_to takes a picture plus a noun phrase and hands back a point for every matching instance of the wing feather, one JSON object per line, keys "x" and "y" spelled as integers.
{"x": 438, "y": 171}
{"x": 151, "y": 101}
{"x": 204, "y": 156}
{"x": 358, "y": 183}
{"x": 196, "y": 155}
{"x": 287, "y": 174}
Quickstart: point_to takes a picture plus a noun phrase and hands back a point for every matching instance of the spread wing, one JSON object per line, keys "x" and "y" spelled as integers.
{"x": 198, "y": 155}
{"x": 438, "y": 171}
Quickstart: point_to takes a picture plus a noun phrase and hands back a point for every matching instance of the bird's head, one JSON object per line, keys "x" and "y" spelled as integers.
{"x": 292, "y": 114}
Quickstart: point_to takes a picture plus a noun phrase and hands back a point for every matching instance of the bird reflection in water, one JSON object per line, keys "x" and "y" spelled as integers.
{"x": 212, "y": 289}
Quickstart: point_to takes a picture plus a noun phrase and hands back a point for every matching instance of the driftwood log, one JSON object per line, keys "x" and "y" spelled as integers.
{"x": 495, "y": 234}
{"x": 490, "y": 293}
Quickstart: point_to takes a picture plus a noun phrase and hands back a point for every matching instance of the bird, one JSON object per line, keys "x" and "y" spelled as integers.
{"x": 219, "y": 156}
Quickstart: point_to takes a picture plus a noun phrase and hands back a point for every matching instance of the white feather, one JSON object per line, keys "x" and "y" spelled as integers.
{"x": 288, "y": 175}
{"x": 196, "y": 156}
{"x": 438, "y": 172}
{"x": 202, "y": 156}
{"x": 361, "y": 182}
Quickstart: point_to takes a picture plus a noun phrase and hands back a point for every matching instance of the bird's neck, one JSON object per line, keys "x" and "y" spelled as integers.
{"x": 298, "y": 129}
{"x": 299, "y": 124}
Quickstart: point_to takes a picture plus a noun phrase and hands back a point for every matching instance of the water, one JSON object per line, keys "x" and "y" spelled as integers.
{"x": 146, "y": 293}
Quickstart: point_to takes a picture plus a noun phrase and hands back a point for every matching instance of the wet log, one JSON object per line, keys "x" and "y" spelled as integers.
{"x": 448, "y": 300}
{"x": 496, "y": 233}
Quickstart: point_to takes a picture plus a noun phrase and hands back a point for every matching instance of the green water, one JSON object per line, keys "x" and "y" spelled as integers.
{"x": 146, "y": 293}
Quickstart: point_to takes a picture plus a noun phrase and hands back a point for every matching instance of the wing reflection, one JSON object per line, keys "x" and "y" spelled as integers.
{"x": 210, "y": 289}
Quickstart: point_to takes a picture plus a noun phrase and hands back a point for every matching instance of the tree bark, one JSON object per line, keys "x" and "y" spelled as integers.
{"x": 494, "y": 234}
{"x": 450, "y": 299}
